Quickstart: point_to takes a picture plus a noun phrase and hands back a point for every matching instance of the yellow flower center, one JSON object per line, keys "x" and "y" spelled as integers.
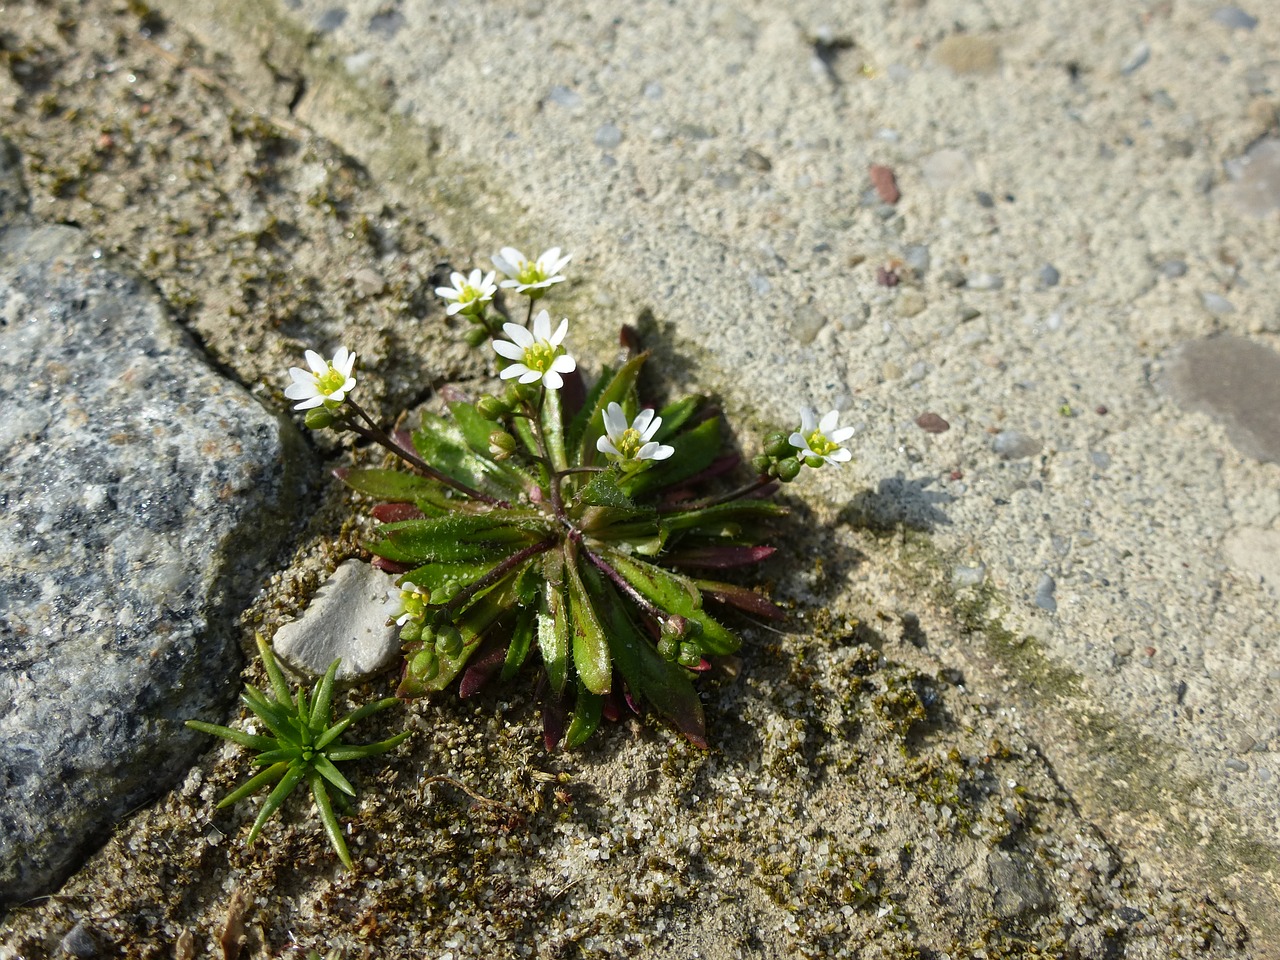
{"x": 530, "y": 272}
{"x": 540, "y": 356}
{"x": 330, "y": 382}
{"x": 629, "y": 443}
{"x": 820, "y": 445}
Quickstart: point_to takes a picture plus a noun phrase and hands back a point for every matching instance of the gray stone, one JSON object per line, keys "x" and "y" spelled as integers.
{"x": 13, "y": 196}
{"x": 1254, "y": 187}
{"x": 1044, "y": 594}
{"x": 79, "y": 942}
{"x": 984, "y": 281}
{"x": 1137, "y": 58}
{"x": 1236, "y": 382}
{"x": 1049, "y": 275}
{"x": 1233, "y": 18}
{"x": 141, "y": 491}
{"x": 1017, "y": 885}
{"x": 347, "y": 619}
{"x": 1174, "y": 269}
{"x": 963, "y": 576}
{"x": 1217, "y": 304}
{"x": 1014, "y": 445}
{"x": 607, "y": 136}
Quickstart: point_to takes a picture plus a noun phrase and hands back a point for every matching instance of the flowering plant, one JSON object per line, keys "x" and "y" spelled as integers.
{"x": 569, "y": 524}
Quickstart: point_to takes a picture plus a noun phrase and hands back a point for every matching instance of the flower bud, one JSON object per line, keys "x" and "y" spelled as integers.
{"x": 411, "y": 632}
{"x": 448, "y": 641}
{"x": 814, "y": 462}
{"x": 424, "y": 664}
{"x": 788, "y": 469}
{"x": 490, "y": 407}
{"x": 690, "y": 655}
{"x": 319, "y": 418}
{"x": 761, "y": 463}
{"x": 776, "y": 444}
{"x": 668, "y": 647}
{"x": 476, "y": 336}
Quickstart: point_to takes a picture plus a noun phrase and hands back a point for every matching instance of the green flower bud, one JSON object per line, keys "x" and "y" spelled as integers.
{"x": 319, "y": 418}
{"x": 411, "y": 632}
{"x": 788, "y": 469}
{"x": 776, "y": 444}
{"x": 491, "y": 408}
{"x": 424, "y": 664}
{"x": 448, "y": 641}
{"x": 476, "y": 336}
{"x": 504, "y": 441}
{"x": 690, "y": 655}
{"x": 761, "y": 463}
{"x": 814, "y": 462}
{"x": 668, "y": 647}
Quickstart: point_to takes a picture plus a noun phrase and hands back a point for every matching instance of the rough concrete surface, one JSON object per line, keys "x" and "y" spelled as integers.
{"x": 1084, "y": 557}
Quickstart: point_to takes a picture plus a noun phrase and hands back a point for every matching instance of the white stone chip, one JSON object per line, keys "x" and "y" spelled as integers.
{"x": 346, "y": 618}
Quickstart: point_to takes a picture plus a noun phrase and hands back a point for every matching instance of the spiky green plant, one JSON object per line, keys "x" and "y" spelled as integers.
{"x": 305, "y": 744}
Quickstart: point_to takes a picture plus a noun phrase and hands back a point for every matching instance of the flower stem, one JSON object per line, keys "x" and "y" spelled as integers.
{"x": 379, "y": 436}
{"x": 620, "y": 581}
{"x": 748, "y": 488}
{"x": 498, "y": 572}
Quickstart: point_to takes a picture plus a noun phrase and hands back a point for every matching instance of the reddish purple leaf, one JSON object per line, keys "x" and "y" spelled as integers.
{"x": 452, "y": 393}
{"x": 609, "y": 707}
{"x": 719, "y": 558}
{"x": 573, "y": 394}
{"x": 395, "y": 512}
{"x": 631, "y": 701}
{"x": 554, "y": 715}
{"x": 742, "y": 598}
{"x": 480, "y": 670}
{"x": 390, "y": 566}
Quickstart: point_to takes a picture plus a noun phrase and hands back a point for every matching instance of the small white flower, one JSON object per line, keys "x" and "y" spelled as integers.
{"x": 469, "y": 294}
{"x": 325, "y": 383}
{"x": 537, "y": 355}
{"x": 633, "y": 441}
{"x": 531, "y": 277}
{"x": 413, "y": 601}
{"x": 821, "y": 438}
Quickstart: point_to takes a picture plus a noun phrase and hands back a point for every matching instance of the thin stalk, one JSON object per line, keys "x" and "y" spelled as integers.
{"x": 498, "y": 572}
{"x": 758, "y": 483}
{"x": 379, "y": 436}
{"x": 621, "y": 583}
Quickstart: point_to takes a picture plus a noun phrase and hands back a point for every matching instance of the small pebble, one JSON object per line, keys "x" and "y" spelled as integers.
{"x": 916, "y": 257}
{"x": 1217, "y": 304}
{"x": 564, "y": 97}
{"x": 985, "y": 199}
{"x": 915, "y": 373}
{"x": 1014, "y": 445}
{"x": 1130, "y": 914}
{"x": 653, "y": 90}
{"x": 969, "y": 576}
{"x": 369, "y": 282}
{"x": 1044, "y": 594}
{"x": 1140, "y": 54}
{"x": 1049, "y": 275}
{"x": 911, "y": 303}
{"x": 968, "y": 313}
{"x": 930, "y": 422}
{"x": 1100, "y": 459}
{"x": 79, "y": 942}
{"x": 607, "y": 136}
{"x": 1239, "y": 766}
{"x": 1245, "y": 743}
{"x": 984, "y": 281}
{"x": 886, "y": 185}
{"x": 331, "y": 20}
{"x": 1174, "y": 269}
{"x": 1122, "y": 645}
{"x": 1233, "y": 18}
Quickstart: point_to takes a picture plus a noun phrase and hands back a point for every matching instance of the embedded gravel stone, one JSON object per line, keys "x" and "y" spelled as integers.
{"x": 1237, "y": 383}
{"x": 141, "y": 492}
{"x": 347, "y": 619}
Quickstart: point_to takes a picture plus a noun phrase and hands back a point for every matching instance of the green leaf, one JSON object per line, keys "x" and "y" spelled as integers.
{"x": 694, "y": 451}
{"x": 324, "y": 766}
{"x": 475, "y": 537}
{"x": 438, "y": 578}
{"x": 553, "y": 429}
{"x": 443, "y": 445}
{"x": 675, "y": 594}
{"x": 590, "y": 645}
{"x": 397, "y": 486}
{"x": 355, "y": 716}
{"x": 521, "y": 642}
{"x": 475, "y": 431}
{"x": 255, "y": 783}
{"x": 339, "y": 754}
{"x": 278, "y": 685}
{"x": 553, "y": 623}
{"x": 322, "y": 703}
{"x": 667, "y": 687}
{"x": 292, "y": 776}
{"x": 620, "y": 390}
{"x": 675, "y": 415}
{"x": 251, "y": 740}
{"x": 331, "y": 825}
{"x": 586, "y": 717}
{"x": 602, "y": 503}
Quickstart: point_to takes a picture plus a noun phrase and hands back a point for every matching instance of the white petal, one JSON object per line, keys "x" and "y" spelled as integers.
{"x": 508, "y": 284}
{"x": 615, "y": 421}
{"x": 349, "y": 384}
{"x": 508, "y": 260}
{"x": 560, "y": 264}
{"x": 552, "y": 380}
{"x": 301, "y": 376}
{"x": 518, "y": 334}
{"x": 828, "y": 421}
{"x": 558, "y": 337}
{"x": 317, "y": 363}
{"x": 648, "y": 452}
{"x": 530, "y": 376}
{"x": 508, "y": 350}
{"x": 344, "y": 361}
{"x": 808, "y": 420}
{"x": 547, "y": 258}
{"x": 458, "y": 280}
{"x": 542, "y": 326}
{"x": 841, "y": 435}
{"x": 605, "y": 445}
{"x": 641, "y": 423}
{"x": 297, "y": 391}
{"x": 663, "y": 451}
{"x": 798, "y": 441}
{"x": 840, "y": 456}
{"x": 515, "y": 370}
{"x": 564, "y": 364}
{"x": 309, "y": 403}
{"x": 455, "y": 308}
{"x": 487, "y": 284}
{"x": 448, "y": 293}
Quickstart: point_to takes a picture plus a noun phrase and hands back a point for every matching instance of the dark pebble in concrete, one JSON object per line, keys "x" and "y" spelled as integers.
{"x": 1237, "y": 383}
